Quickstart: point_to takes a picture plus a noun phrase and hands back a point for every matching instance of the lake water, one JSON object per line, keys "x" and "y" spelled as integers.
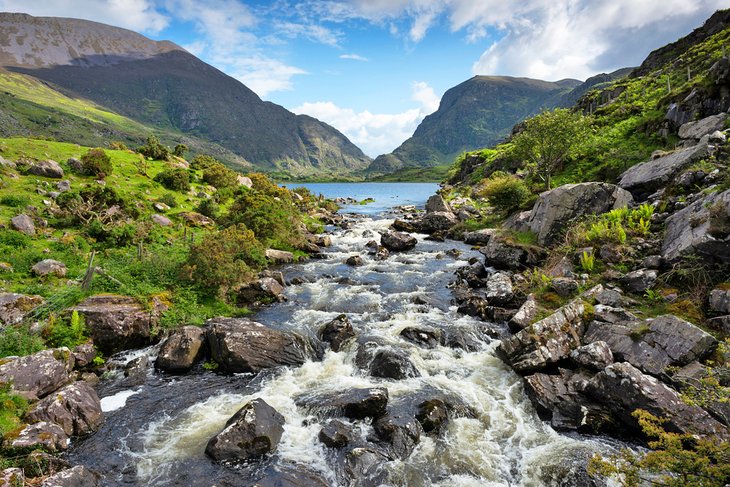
{"x": 386, "y": 195}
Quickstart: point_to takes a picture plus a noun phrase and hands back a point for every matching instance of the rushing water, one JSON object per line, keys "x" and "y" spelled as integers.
{"x": 156, "y": 430}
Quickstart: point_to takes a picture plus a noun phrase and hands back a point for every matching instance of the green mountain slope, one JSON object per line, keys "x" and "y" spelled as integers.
{"x": 161, "y": 85}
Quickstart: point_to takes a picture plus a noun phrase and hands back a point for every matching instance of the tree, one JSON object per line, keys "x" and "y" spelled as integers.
{"x": 548, "y": 140}
{"x": 180, "y": 150}
{"x": 154, "y": 149}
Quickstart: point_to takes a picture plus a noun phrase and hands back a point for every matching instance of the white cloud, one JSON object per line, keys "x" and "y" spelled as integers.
{"x": 354, "y": 57}
{"x": 138, "y": 15}
{"x": 375, "y": 133}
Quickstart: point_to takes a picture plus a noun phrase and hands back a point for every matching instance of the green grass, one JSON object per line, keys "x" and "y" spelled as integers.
{"x": 415, "y": 174}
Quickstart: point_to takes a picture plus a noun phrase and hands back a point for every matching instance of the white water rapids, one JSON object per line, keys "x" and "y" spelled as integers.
{"x": 506, "y": 444}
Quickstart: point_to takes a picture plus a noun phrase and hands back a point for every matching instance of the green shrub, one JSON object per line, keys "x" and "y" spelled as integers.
{"x": 12, "y": 408}
{"x": 275, "y": 222}
{"x": 96, "y": 202}
{"x": 220, "y": 176}
{"x": 180, "y": 150}
{"x": 202, "y": 161}
{"x": 174, "y": 179}
{"x": 18, "y": 340}
{"x": 153, "y": 149}
{"x": 208, "y": 208}
{"x": 504, "y": 192}
{"x": 62, "y": 333}
{"x": 225, "y": 259}
{"x": 14, "y": 201}
{"x": 169, "y": 199}
{"x": 96, "y": 163}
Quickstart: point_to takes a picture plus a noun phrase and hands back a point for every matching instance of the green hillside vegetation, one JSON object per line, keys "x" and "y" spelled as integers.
{"x": 111, "y": 218}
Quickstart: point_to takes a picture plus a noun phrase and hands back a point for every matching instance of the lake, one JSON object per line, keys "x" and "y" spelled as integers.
{"x": 386, "y": 195}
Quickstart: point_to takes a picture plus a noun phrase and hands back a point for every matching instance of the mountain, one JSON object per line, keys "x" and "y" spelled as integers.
{"x": 161, "y": 85}
{"x": 480, "y": 112}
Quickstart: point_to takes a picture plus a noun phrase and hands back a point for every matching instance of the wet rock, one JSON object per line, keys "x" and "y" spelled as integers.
{"x": 474, "y": 274}
{"x": 336, "y": 434}
{"x": 596, "y": 355}
{"x": 24, "y": 224}
{"x": 719, "y": 300}
{"x": 78, "y": 476}
{"x": 546, "y": 341}
{"x": 14, "y": 307}
{"x": 564, "y": 286}
{"x": 35, "y": 376}
{"x": 640, "y": 280}
{"x": 336, "y": 332}
{"x": 161, "y": 220}
{"x": 381, "y": 253}
{"x": 432, "y": 414}
{"x": 702, "y": 228}
{"x": 397, "y": 241}
{"x": 422, "y": 336}
{"x": 554, "y": 209}
{"x": 622, "y": 388}
{"x": 364, "y": 467}
{"x": 480, "y": 237}
{"x": 558, "y": 398}
{"x": 279, "y": 256}
{"x": 462, "y": 338}
{"x": 84, "y": 355}
{"x": 499, "y": 291}
{"x": 437, "y": 204}
{"x": 242, "y": 345}
{"x": 75, "y": 408}
{"x": 438, "y": 222}
{"x": 45, "y": 435}
{"x": 403, "y": 226}
{"x": 117, "y": 323}
{"x": 474, "y": 305}
{"x": 700, "y": 128}
{"x": 263, "y": 291}
{"x": 181, "y": 350}
{"x": 254, "y": 431}
{"x": 46, "y": 169}
{"x": 645, "y": 178}
{"x": 525, "y": 315}
{"x": 400, "y": 431}
{"x": 290, "y": 475}
{"x": 354, "y": 261}
{"x": 655, "y": 344}
{"x": 48, "y": 267}
{"x": 392, "y": 364}
{"x": 350, "y": 403}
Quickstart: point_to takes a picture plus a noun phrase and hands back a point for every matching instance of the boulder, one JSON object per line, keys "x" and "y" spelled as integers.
{"x": 504, "y": 254}
{"x": 422, "y": 336}
{"x": 24, "y": 224}
{"x": 84, "y": 355}
{"x": 438, "y": 222}
{"x": 117, "y": 323}
{"x": 700, "y": 128}
{"x": 546, "y": 341}
{"x": 655, "y": 344}
{"x": 558, "y": 398}
{"x": 161, "y": 220}
{"x": 279, "y": 256}
{"x": 35, "y": 376}
{"x": 354, "y": 261}
{"x": 554, "y": 209}
{"x": 400, "y": 431}
{"x": 564, "y": 286}
{"x": 161, "y": 207}
{"x": 254, "y": 431}
{"x": 499, "y": 290}
{"x": 244, "y": 181}
{"x": 350, "y": 403}
{"x": 703, "y": 228}
{"x": 432, "y": 414}
{"x": 645, "y": 178}
{"x": 264, "y": 290}
{"x": 180, "y": 351}
{"x": 75, "y": 408}
{"x": 596, "y": 356}
{"x": 48, "y": 267}
{"x": 640, "y": 280}
{"x": 78, "y": 476}
{"x": 195, "y": 219}
{"x": 75, "y": 165}
{"x": 14, "y": 307}
{"x": 336, "y": 434}
{"x": 610, "y": 314}
{"x": 392, "y": 364}
{"x": 397, "y": 241}
{"x": 436, "y": 204}
{"x": 46, "y": 435}
{"x": 525, "y": 315}
{"x": 622, "y": 388}
{"x": 242, "y": 345}
{"x": 46, "y": 169}
{"x": 403, "y": 226}
{"x": 336, "y": 332}
{"x": 719, "y": 300}
{"x": 281, "y": 474}
{"x": 480, "y": 237}
{"x": 364, "y": 467}
{"x": 518, "y": 222}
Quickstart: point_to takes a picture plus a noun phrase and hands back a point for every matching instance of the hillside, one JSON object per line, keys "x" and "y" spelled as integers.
{"x": 160, "y": 85}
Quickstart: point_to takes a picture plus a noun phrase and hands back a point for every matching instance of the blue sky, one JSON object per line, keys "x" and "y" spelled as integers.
{"x": 375, "y": 68}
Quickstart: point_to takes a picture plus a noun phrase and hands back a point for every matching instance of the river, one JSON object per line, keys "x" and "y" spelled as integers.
{"x": 156, "y": 431}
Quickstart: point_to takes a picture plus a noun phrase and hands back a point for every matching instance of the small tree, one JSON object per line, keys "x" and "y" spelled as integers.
{"x": 154, "y": 149}
{"x": 180, "y": 150}
{"x": 548, "y": 140}
{"x": 175, "y": 179}
{"x": 505, "y": 192}
{"x": 96, "y": 163}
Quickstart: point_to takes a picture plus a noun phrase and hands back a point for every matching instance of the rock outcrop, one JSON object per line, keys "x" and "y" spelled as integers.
{"x": 351, "y": 403}
{"x": 75, "y": 408}
{"x": 181, "y": 350}
{"x": 336, "y": 332}
{"x": 14, "y": 307}
{"x": 35, "y": 376}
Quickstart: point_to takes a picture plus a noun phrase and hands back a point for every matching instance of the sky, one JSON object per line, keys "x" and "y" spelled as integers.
{"x": 374, "y": 68}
